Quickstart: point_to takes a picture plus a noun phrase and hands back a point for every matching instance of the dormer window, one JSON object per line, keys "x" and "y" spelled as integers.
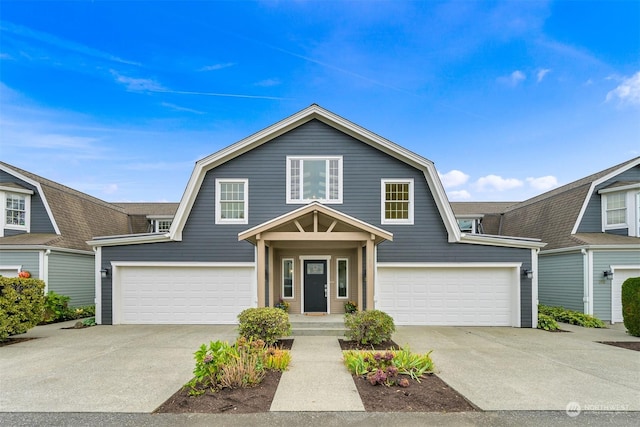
{"x": 312, "y": 178}
{"x": 16, "y": 206}
{"x": 616, "y": 209}
{"x": 470, "y": 225}
{"x": 621, "y": 208}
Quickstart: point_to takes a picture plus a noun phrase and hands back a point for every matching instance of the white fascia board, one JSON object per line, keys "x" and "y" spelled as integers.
{"x": 442, "y": 202}
{"x": 618, "y": 189}
{"x": 181, "y": 264}
{"x": 449, "y": 264}
{"x": 477, "y": 239}
{"x": 43, "y": 248}
{"x": 40, "y": 192}
{"x": 16, "y": 190}
{"x": 592, "y": 248}
{"x": 129, "y": 240}
{"x": 594, "y": 184}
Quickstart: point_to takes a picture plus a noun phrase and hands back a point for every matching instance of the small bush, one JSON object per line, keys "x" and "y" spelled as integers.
{"x": 265, "y": 323}
{"x": 547, "y": 323}
{"x": 56, "y": 308}
{"x": 221, "y": 365}
{"x": 21, "y": 305}
{"x": 369, "y": 327}
{"x": 561, "y": 314}
{"x": 631, "y": 305}
{"x": 350, "y": 307}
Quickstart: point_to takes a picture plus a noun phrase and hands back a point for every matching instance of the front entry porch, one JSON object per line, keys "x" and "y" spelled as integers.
{"x": 316, "y": 259}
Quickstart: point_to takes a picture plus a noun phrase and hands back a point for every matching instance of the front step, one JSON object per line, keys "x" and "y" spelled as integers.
{"x": 321, "y": 326}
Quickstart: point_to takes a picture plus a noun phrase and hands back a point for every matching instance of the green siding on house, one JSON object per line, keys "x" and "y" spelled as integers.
{"x": 29, "y": 260}
{"x": 561, "y": 280}
{"x": 603, "y": 260}
{"x": 72, "y": 275}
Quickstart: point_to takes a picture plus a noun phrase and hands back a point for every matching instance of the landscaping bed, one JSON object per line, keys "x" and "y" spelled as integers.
{"x": 631, "y": 345}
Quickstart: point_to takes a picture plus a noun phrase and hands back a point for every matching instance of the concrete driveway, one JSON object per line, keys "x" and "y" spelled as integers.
{"x": 131, "y": 368}
{"x": 529, "y": 369}
{"x": 122, "y": 368}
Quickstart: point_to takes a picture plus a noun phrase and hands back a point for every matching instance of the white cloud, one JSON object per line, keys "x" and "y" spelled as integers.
{"x": 541, "y": 73}
{"x": 453, "y": 178}
{"x": 497, "y": 183}
{"x": 459, "y": 195}
{"x": 215, "y": 67}
{"x": 628, "y": 92}
{"x": 513, "y": 79}
{"x": 268, "y": 82}
{"x": 543, "y": 183}
{"x": 110, "y": 189}
{"x": 138, "y": 85}
{"x": 179, "y": 108}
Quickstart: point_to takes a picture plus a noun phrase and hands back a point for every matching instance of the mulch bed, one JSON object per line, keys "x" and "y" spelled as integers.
{"x": 631, "y": 345}
{"x": 431, "y": 394}
{"x": 10, "y": 341}
{"x": 355, "y": 345}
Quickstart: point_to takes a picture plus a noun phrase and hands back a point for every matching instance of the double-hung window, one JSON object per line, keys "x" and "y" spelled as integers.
{"x": 232, "y": 201}
{"x": 311, "y": 178}
{"x": 397, "y": 201}
{"x": 616, "y": 209}
{"x": 16, "y": 206}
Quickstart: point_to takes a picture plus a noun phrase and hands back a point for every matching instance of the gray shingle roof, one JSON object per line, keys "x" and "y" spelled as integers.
{"x": 144, "y": 208}
{"x": 79, "y": 216}
{"x": 551, "y": 216}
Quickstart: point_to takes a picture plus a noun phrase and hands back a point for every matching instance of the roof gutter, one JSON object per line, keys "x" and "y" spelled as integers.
{"x": 129, "y": 240}
{"x": 514, "y": 242}
{"x": 44, "y": 248}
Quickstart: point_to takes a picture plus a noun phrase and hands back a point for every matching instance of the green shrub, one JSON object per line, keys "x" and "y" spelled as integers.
{"x": 369, "y": 327}
{"x": 631, "y": 305}
{"x": 547, "y": 322}
{"x": 561, "y": 314}
{"x": 265, "y": 323}
{"x": 56, "y": 308}
{"x": 21, "y": 305}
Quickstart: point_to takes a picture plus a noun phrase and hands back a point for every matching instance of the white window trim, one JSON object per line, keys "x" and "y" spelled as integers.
{"x": 604, "y": 201}
{"x": 219, "y": 219}
{"x": 305, "y": 201}
{"x": 383, "y": 219}
{"x": 27, "y": 211}
{"x": 293, "y": 279}
{"x": 338, "y": 278}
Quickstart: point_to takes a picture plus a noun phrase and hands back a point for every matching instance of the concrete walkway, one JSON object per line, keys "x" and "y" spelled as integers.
{"x": 316, "y": 379}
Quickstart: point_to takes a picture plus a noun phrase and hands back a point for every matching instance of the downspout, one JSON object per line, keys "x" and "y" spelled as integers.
{"x": 585, "y": 280}
{"x": 44, "y": 274}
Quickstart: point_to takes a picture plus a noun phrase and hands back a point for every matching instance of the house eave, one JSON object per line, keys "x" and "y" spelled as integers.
{"x": 590, "y": 248}
{"x": 512, "y": 242}
{"x": 134, "y": 239}
{"x": 43, "y": 248}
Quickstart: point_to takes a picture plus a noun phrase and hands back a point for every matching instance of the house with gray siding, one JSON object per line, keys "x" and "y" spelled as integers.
{"x": 316, "y": 211}
{"x": 45, "y": 227}
{"x": 592, "y": 230}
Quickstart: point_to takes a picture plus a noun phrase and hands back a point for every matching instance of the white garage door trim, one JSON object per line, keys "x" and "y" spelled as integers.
{"x": 119, "y": 266}
{"x": 512, "y": 271}
{"x": 620, "y": 274}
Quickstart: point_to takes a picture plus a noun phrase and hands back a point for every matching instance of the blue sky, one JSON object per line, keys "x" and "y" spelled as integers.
{"x": 509, "y": 99}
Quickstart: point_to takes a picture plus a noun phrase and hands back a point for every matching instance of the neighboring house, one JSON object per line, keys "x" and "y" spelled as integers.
{"x": 317, "y": 211}
{"x": 44, "y": 230}
{"x": 149, "y": 217}
{"x": 592, "y": 230}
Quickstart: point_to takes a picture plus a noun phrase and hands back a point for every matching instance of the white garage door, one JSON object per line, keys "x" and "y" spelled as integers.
{"x": 182, "y": 295}
{"x": 620, "y": 274}
{"x": 467, "y": 296}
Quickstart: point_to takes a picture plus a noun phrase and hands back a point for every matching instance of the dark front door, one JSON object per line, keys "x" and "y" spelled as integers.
{"x": 315, "y": 286}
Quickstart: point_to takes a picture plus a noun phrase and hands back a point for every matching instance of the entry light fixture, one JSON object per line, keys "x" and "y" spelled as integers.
{"x": 608, "y": 274}
{"x": 528, "y": 273}
{"x": 104, "y": 273}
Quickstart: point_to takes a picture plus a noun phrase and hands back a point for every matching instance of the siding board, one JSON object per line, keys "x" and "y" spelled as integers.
{"x": 561, "y": 280}
{"x": 72, "y": 275}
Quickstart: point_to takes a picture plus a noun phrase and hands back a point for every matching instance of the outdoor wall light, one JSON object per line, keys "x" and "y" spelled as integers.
{"x": 527, "y": 273}
{"x": 608, "y": 274}
{"x": 104, "y": 273}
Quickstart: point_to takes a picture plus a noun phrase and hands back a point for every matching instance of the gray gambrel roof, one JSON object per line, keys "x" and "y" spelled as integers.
{"x": 552, "y": 216}
{"x": 77, "y": 215}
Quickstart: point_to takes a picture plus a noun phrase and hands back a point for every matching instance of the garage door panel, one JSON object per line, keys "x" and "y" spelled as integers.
{"x": 184, "y": 295}
{"x": 447, "y": 296}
